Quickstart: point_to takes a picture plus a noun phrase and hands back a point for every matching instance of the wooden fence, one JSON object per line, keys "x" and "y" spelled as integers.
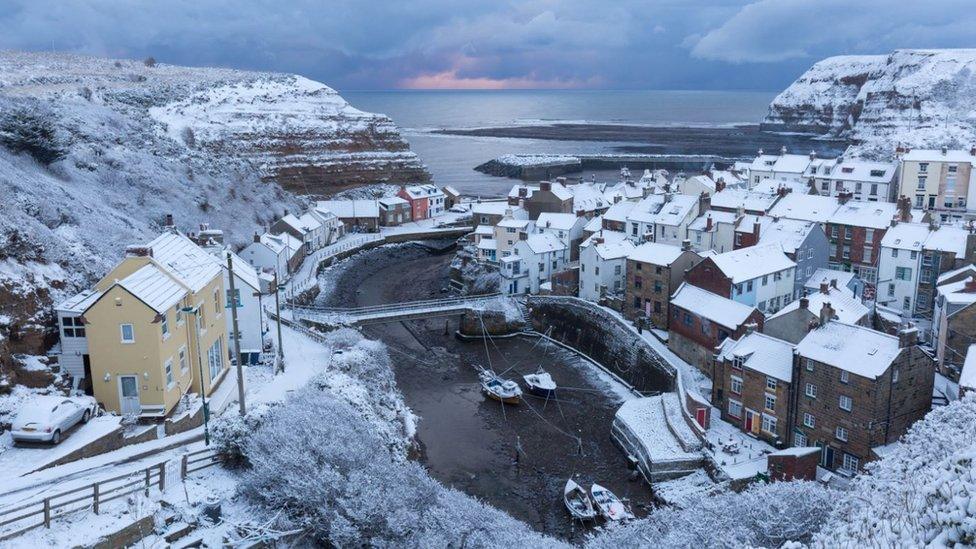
{"x": 41, "y": 512}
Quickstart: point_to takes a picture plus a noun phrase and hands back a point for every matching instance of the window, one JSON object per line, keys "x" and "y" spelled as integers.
{"x": 616, "y": 269}
{"x": 874, "y": 189}
{"x": 128, "y": 334}
{"x": 637, "y": 302}
{"x": 184, "y": 365}
{"x": 762, "y": 305}
{"x": 596, "y": 270}
{"x": 894, "y": 252}
{"x": 179, "y": 315}
{"x": 164, "y": 326}
{"x": 735, "y": 408}
{"x": 811, "y": 390}
{"x": 638, "y": 281}
{"x": 833, "y": 231}
{"x": 216, "y": 299}
{"x": 770, "y": 402}
{"x": 809, "y": 421}
{"x": 847, "y": 252}
{"x": 736, "y": 386}
{"x": 769, "y": 424}
{"x": 201, "y": 319}
{"x": 809, "y": 364}
{"x": 851, "y": 463}
{"x": 923, "y": 167}
{"x": 771, "y": 383}
{"x": 894, "y": 376}
{"x": 869, "y": 235}
{"x": 844, "y": 376}
{"x": 903, "y": 273}
{"x": 236, "y": 299}
{"x": 866, "y": 254}
{"x": 737, "y": 361}
{"x": 848, "y": 233}
{"x": 845, "y": 403}
{"x": 921, "y": 183}
{"x": 749, "y": 286}
{"x": 73, "y": 326}
{"x": 215, "y": 359}
{"x": 800, "y": 440}
{"x": 168, "y": 368}
{"x": 841, "y": 434}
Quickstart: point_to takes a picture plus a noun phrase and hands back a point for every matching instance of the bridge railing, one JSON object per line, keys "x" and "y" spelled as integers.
{"x": 402, "y": 306}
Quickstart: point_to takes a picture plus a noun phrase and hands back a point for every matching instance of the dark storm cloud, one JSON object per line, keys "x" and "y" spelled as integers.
{"x": 480, "y": 43}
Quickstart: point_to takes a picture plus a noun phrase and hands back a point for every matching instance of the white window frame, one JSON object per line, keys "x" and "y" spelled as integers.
{"x": 771, "y": 422}
{"x": 183, "y": 359}
{"x": 132, "y": 334}
{"x": 770, "y": 383}
{"x": 810, "y": 390}
{"x": 809, "y": 420}
{"x": 845, "y": 376}
{"x": 841, "y": 434}
{"x": 736, "y": 385}
{"x": 848, "y": 400}
{"x": 769, "y": 403}
{"x": 164, "y": 326}
{"x": 168, "y": 372}
{"x": 850, "y": 463}
{"x": 735, "y": 405}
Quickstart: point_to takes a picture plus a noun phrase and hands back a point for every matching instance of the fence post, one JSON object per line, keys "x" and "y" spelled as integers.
{"x": 162, "y": 476}
{"x": 47, "y": 512}
{"x": 95, "y": 498}
{"x": 147, "y": 479}
{"x": 183, "y": 467}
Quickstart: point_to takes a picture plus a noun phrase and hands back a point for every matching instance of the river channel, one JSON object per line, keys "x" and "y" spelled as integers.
{"x": 471, "y": 443}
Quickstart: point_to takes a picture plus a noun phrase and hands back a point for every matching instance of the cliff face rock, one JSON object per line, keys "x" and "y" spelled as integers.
{"x": 919, "y": 98}
{"x": 300, "y": 133}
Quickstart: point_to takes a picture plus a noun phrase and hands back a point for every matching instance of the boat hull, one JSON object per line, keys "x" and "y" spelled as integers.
{"x": 506, "y": 400}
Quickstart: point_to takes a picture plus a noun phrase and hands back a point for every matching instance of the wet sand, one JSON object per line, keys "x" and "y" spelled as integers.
{"x": 729, "y": 141}
{"x": 470, "y": 443}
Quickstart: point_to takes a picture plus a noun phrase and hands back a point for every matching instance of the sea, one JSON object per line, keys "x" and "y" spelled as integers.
{"x": 451, "y": 159}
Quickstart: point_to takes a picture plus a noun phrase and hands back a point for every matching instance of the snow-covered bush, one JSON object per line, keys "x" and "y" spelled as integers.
{"x": 324, "y": 467}
{"x": 230, "y": 433}
{"x": 765, "y": 515}
{"x": 29, "y": 127}
{"x": 921, "y": 493}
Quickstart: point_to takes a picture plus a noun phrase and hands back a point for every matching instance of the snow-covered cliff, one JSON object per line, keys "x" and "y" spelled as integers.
{"x": 95, "y": 152}
{"x": 919, "y": 98}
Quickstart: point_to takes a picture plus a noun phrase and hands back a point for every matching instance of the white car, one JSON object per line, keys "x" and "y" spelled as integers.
{"x": 48, "y": 418}
{"x": 460, "y": 208}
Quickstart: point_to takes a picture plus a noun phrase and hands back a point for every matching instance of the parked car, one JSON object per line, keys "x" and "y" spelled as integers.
{"x": 48, "y": 418}
{"x": 460, "y": 208}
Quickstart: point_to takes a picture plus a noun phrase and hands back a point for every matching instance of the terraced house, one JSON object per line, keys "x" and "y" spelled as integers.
{"x": 154, "y": 327}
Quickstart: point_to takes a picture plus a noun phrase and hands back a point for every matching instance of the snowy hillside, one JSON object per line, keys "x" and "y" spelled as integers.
{"x": 107, "y": 172}
{"x": 920, "y": 98}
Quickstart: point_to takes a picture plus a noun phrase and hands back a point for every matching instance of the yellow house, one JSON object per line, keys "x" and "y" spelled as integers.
{"x": 156, "y": 329}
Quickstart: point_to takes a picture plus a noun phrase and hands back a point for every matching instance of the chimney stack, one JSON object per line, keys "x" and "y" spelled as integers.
{"x": 708, "y": 223}
{"x": 904, "y": 209}
{"x": 523, "y": 191}
{"x": 843, "y": 197}
{"x": 617, "y": 198}
{"x": 169, "y": 220}
{"x": 545, "y": 186}
{"x": 523, "y": 235}
{"x": 972, "y": 150}
{"x": 826, "y": 313}
{"x": 782, "y": 150}
{"x": 907, "y": 336}
{"x": 686, "y": 245}
{"x": 257, "y": 237}
{"x": 833, "y": 283}
{"x": 813, "y": 155}
{"x": 580, "y": 213}
{"x": 755, "y": 230}
{"x": 804, "y": 302}
{"x": 945, "y": 150}
{"x": 720, "y": 184}
{"x": 704, "y": 201}
{"x": 824, "y": 287}
{"x": 970, "y": 286}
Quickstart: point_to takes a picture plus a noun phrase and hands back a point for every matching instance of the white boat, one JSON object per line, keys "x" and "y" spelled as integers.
{"x": 578, "y": 502}
{"x": 625, "y": 173}
{"x": 502, "y": 390}
{"x": 609, "y": 505}
{"x": 540, "y": 384}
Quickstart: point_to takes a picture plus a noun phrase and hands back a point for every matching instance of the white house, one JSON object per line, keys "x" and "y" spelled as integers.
{"x": 541, "y": 255}
{"x": 507, "y": 233}
{"x": 250, "y": 317}
{"x": 662, "y": 218}
{"x": 784, "y": 166}
{"x": 603, "y": 264}
{"x": 899, "y": 265}
{"x": 268, "y": 253}
{"x": 74, "y": 357}
{"x": 568, "y": 228}
{"x": 713, "y": 230}
{"x": 759, "y": 276}
{"x": 514, "y": 274}
{"x": 332, "y": 227}
{"x": 864, "y": 179}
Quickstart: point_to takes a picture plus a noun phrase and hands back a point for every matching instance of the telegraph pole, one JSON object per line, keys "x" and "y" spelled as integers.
{"x": 232, "y": 303}
{"x": 281, "y": 350}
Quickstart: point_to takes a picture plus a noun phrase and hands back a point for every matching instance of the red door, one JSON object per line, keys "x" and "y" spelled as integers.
{"x": 700, "y": 415}
{"x": 748, "y": 422}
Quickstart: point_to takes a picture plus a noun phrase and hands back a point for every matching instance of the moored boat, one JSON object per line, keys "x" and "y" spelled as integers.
{"x": 502, "y": 390}
{"x": 609, "y": 505}
{"x": 540, "y": 384}
{"x": 578, "y": 502}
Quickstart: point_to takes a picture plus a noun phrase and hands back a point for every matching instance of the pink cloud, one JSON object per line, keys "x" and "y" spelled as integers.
{"x": 449, "y": 80}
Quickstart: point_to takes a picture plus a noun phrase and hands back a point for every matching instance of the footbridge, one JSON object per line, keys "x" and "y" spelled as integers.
{"x": 395, "y": 312}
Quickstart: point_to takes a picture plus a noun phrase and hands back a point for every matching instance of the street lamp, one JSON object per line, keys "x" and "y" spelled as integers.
{"x": 203, "y": 394}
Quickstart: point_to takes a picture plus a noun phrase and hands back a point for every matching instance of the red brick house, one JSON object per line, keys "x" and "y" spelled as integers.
{"x": 797, "y": 463}
{"x": 701, "y": 320}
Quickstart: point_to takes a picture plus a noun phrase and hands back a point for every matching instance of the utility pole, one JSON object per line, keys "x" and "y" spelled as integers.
{"x": 281, "y": 350}
{"x": 232, "y": 303}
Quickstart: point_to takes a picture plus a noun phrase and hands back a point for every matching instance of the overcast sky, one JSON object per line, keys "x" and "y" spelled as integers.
{"x": 384, "y": 44}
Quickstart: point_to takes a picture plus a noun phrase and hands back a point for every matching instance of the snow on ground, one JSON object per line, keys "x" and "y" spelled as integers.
{"x": 736, "y": 454}
{"x": 685, "y": 490}
{"x": 645, "y": 418}
{"x": 18, "y": 460}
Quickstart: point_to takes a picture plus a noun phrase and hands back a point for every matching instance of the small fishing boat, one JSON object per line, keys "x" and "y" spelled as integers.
{"x": 540, "y": 384}
{"x": 578, "y": 502}
{"x": 609, "y": 504}
{"x": 625, "y": 173}
{"x": 502, "y": 390}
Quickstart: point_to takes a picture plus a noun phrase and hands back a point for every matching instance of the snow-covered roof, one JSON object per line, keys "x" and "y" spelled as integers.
{"x": 865, "y": 171}
{"x": 78, "y": 302}
{"x": 717, "y": 217}
{"x": 242, "y": 269}
{"x": 496, "y": 207}
{"x": 349, "y": 209}
{"x": 188, "y": 263}
{"x": 588, "y": 197}
{"x": 967, "y": 378}
{"x": 823, "y": 274}
{"x": 487, "y": 244}
{"x": 956, "y": 293}
{"x": 292, "y": 221}
{"x": 805, "y": 207}
{"x": 284, "y": 241}
{"x": 154, "y": 287}
{"x": 594, "y": 224}
{"x": 619, "y": 212}
{"x": 450, "y": 190}
{"x": 935, "y": 155}
{"x": 797, "y": 451}
{"x": 752, "y": 262}
{"x": 731, "y": 198}
{"x": 707, "y": 182}
{"x": 906, "y": 236}
{"x": 513, "y": 223}
{"x": 541, "y": 243}
{"x": 392, "y": 201}
{"x": 873, "y": 215}
{"x": 772, "y": 185}
{"x": 529, "y": 189}
{"x": 558, "y": 221}
{"x": 956, "y": 272}
{"x": 485, "y": 230}
{"x": 788, "y": 233}
{"x": 762, "y": 353}
{"x": 421, "y": 191}
{"x": 856, "y": 349}
{"x": 614, "y": 245}
{"x": 714, "y": 307}
{"x": 676, "y": 210}
{"x": 948, "y": 238}
{"x": 847, "y": 308}
{"x": 655, "y": 253}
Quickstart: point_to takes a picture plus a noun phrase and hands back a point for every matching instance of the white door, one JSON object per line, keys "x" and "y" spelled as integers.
{"x": 129, "y": 395}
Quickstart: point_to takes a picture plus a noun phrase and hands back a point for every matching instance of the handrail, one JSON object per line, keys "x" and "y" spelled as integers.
{"x": 405, "y": 305}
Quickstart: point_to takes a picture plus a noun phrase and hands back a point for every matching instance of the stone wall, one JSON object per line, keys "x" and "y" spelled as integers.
{"x": 597, "y": 334}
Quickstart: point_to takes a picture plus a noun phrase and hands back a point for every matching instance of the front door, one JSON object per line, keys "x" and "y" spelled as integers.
{"x": 826, "y": 456}
{"x": 129, "y": 395}
{"x": 752, "y": 421}
{"x": 86, "y": 384}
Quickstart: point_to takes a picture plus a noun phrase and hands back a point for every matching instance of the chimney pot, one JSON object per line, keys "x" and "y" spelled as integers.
{"x": 826, "y": 314}
{"x": 545, "y": 186}
{"x": 708, "y": 223}
{"x": 522, "y": 192}
{"x": 804, "y": 302}
{"x": 169, "y": 220}
{"x": 257, "y": 237}
{"x": 833, "y": 283}
{"x": 824, "y": 288}
{"x": 686, "y": 245}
